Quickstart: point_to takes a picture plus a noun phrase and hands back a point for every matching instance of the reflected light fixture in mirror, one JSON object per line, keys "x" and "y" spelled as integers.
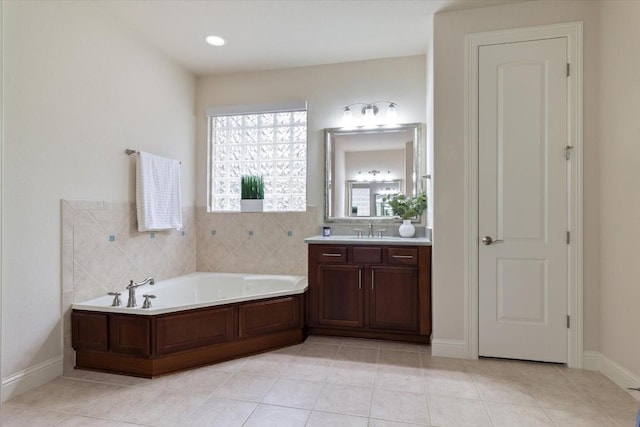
{"x": 369, "y": 113}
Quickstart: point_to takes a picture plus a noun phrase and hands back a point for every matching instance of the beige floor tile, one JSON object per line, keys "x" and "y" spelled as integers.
{"x": 203, "y": 381}
{"x": 344, "y": 399}
{"x": 386, "y": 423}
{"x": 276, "y": 416}
{"x": 101, "y": 377}
{"x": 504, "y": 415}
{"x": 400, "y": 378}
{"x": 240, "y": 386}
{"x": 362, "y": 342}
{"x": 216, "y": 412}
{"x": 263, "y": 365}
{"x": 79, "y": 421}
{"x": 436, "y": 364}
{"x": 64, "y": 394}
{"x": 399, "y": 358}
{"x": 555, "y": 396}
{"x": 400, "y": 406}
{"x": 309, "y": 369}
{"x": 454, "y": 412}
{"x": 504, "y": 390}
{"x": 18, "y": 415}
{"x": 323, "y": 339}
{"x": 352, "y": 373}
{"x": 569, "y": 418}
{"x": 590, "y": 380}
{"x": 403, "y": 346}
{"x": 491, "y": 369}
{"x": 154, "y": 412}
{"x": 357, "y": 354}
{"x": 291, "y": 350}
{"x": 293, "y": 393}
{"x": 451, "y": 383}
{"x": 121, "y": 403}
{"x": 228, "y": 366}
{"x": 325, "y": 419}
{"x": 319, "y": 351}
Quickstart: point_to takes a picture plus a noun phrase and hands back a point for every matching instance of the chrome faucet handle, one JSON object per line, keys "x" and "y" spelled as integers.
{"x": 147, "y": 301}
{"x": 381, "y": 232}
{"x": 116, "y": 299}
{"x": 358, "y": 232}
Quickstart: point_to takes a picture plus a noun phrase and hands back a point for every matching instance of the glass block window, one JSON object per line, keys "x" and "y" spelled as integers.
{"x": 268, "y": 143}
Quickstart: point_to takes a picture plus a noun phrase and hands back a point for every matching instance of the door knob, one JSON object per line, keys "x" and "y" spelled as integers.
{"x": 487, "y": 240}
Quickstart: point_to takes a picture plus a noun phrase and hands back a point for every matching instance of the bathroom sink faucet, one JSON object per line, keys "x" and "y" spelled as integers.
{"x": 370, "y": 233}
{"x": 132, "y": 290}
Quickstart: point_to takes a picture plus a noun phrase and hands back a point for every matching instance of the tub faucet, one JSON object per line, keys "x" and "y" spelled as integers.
{"x": 132, "y": 290}
{"x": 370, "y": 233}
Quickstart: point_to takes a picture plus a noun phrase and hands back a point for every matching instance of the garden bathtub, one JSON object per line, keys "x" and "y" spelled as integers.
{"x": 197, "y": 319}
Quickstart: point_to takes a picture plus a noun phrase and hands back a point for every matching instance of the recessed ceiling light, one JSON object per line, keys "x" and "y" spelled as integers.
{"x": 215, "y": 41}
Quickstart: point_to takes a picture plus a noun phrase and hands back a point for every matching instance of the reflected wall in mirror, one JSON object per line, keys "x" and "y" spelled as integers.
{"x": 363, "y": 166}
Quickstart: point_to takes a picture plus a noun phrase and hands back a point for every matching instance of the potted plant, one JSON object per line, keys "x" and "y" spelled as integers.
{"x": 251, "y": 193}
{"x": 406, "y": 208}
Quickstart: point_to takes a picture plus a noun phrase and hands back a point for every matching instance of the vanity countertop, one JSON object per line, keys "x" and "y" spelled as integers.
{"x": 355, "y": 240}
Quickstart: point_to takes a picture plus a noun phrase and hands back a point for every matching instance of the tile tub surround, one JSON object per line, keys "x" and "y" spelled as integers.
{"x": 404, "y": 386}
{"x": 265, "y": 243}
{"x": 102, "y": 250}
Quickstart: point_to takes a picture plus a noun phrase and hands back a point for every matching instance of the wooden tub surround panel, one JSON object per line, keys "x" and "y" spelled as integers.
{"x": 153, "y": 345}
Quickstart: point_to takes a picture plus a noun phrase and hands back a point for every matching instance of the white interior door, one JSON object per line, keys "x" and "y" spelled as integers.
{"x": 523, "y": 200}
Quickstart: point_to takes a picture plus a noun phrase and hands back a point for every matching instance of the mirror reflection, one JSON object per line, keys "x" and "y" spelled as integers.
{"x": 366, "y": 165}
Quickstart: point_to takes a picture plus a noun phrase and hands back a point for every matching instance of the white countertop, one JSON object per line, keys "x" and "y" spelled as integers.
{"x": 354, "y": 240}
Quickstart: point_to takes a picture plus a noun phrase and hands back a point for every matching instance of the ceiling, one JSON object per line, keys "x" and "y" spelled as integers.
{"x": 272, "y": 34}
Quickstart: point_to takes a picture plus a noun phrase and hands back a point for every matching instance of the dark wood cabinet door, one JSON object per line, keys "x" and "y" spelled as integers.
{"x": 193, "y": 329}
{"x": 340, "y": 298}
{"x": 130, "y": 334}
{"x": 89, "y": 331}
{"x": 393, "y": 298}
{"x": 265, "y": 317}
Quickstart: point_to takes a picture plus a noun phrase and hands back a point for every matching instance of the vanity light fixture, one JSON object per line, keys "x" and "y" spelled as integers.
{"x": 369, "y": 113}
{"x": 215, "y": 41}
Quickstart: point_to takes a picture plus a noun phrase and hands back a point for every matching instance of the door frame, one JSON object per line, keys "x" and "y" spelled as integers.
{"x": 573, "y": 32}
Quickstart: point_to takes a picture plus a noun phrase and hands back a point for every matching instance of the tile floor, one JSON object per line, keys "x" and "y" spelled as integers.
{"x": 333, "y": 382}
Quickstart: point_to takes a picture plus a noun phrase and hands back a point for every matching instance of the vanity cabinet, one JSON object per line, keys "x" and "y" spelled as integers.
{"x": 370, "y": 291}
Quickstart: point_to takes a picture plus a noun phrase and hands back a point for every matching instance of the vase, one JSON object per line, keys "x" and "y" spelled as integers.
{"x": 250, "y": 205}
{"x": 406, "y": 229}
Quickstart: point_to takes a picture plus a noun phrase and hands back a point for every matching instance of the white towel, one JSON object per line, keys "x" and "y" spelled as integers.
{"x": 158, "y": 193}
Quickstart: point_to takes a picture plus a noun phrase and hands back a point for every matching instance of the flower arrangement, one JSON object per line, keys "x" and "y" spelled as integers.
{"x": 407, "y": 207}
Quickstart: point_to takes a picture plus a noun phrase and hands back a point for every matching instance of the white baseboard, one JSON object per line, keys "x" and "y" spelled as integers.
{"x": 449, "y": 348}
{"x": 597, "y": 361}
{"x": 591, "y": 360}
{"x": 32, "y": 377}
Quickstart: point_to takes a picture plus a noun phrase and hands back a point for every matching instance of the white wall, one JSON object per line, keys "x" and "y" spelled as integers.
{"x": 327, "y": 88}
{"x": 449, "y": 247}
{"x": 619, "y": 138}
{"x": 79, "y": 89}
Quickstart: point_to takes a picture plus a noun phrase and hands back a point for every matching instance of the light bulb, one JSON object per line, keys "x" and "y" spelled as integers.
{"x": 215, "y": 41}
{"x": 347, "y": 117}
{"x": 392, "y": 115}
{"x": 369, "y": 115}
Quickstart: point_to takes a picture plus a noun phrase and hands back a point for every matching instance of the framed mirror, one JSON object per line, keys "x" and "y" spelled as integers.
{"x": 363, "y": 166}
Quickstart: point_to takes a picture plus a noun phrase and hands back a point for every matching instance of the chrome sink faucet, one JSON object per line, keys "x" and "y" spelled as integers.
{"x": 370, "y": 233}
{"x": 132, "y": 290}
